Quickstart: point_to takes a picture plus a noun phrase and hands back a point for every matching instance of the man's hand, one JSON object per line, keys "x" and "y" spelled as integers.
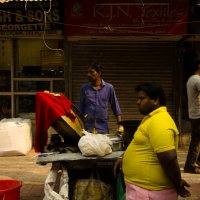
{"x": 182, "y": 191}
{"x": 117, "y": 166}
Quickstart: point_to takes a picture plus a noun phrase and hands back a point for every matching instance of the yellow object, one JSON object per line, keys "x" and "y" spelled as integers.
{"x": 77, "y": 125}
{"x": 46, "y": 91}
{"x": 121, "y": 129}
{"x": 94, "y": 130}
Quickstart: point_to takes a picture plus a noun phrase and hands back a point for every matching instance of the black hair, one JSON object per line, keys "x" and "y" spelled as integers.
{"x": 196, "y": 63}
{"x": 153, "y": 90}
{"x": 96, "y": 66}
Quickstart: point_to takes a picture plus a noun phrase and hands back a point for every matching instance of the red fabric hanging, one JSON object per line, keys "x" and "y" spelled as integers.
{"x": 48, "y": 108}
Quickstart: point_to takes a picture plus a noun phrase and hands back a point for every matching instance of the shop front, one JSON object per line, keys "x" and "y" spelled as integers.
{"x": 135, "y": 42}
{"x": 31, "y": 58}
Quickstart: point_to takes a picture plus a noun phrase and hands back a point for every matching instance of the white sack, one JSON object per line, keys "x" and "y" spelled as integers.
{"x": 94, "y": 144}
{"x": 50, "y": 183}
{"x": 15, "y": 136}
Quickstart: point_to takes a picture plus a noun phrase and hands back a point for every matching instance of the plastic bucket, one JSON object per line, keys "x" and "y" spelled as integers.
{"x": 10, "y": 189}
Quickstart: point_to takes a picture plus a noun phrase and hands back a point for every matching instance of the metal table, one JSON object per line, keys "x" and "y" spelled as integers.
{"x": 75, "y": 157}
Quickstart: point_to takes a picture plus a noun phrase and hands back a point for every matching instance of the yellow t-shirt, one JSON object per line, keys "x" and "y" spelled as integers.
{"x": 156, "y": 133}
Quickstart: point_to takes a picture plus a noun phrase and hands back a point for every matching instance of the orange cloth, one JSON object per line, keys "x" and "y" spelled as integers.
{"x": 48, "y": 108}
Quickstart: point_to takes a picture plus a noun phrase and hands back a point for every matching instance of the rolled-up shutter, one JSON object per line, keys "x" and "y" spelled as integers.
{"x": 125, "y": 65}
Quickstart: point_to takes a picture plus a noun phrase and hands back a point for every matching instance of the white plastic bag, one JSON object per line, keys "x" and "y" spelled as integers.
{"x": 94, "y": 144}
{"x": 50, "y": 182}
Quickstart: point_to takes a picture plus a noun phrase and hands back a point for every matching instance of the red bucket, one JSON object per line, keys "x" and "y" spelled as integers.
{"x": 10, "y": 189}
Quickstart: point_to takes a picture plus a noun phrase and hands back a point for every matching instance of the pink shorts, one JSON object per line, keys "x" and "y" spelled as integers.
{"x": 136, "y": 193}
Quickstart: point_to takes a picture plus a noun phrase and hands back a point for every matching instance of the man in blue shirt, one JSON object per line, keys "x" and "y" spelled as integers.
{"x": 95, "y": 97}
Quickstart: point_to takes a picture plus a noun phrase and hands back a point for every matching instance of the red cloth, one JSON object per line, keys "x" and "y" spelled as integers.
{"x": 48, "y": 109}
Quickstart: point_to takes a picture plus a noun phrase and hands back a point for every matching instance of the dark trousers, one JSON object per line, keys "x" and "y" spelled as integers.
{"x": 193, "y": 157}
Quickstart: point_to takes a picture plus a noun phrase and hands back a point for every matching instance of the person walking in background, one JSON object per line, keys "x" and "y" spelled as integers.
{"x": 150, "y": 166}
{"x": 94, "y": 99}
{"x": 192, "y": 164}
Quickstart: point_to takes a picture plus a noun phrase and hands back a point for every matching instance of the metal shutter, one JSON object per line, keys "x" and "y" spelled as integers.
{"x": 125, "y": 65}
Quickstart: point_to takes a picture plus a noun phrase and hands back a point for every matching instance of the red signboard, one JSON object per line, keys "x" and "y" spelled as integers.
{"x": 123, "y": 17}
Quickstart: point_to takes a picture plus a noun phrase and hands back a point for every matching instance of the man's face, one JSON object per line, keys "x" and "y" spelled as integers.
{"x": 145, "y": 104}
{"x": 93, "y": 75}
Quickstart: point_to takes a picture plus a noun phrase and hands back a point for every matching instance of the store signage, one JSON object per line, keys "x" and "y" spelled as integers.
{"x": 123, "y": 17}
{"x": 28, "y": 18}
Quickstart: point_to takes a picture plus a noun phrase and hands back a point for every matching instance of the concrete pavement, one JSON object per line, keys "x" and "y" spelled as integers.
{"x": 33, "y": 176}
{"x": 192, "y": 179}
{"x": 24, "y": 168}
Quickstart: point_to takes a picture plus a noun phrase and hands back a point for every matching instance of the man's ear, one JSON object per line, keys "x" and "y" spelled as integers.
{"x": 156, "y": 101}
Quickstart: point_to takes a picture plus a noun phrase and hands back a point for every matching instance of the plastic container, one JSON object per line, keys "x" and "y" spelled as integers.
{"x": 116, "y": 142}
{"x": 10, "y": 189}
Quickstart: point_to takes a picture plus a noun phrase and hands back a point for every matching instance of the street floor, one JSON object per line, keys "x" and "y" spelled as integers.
{"x": 33, "y": 176}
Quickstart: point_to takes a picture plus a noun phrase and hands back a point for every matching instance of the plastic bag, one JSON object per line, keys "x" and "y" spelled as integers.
{"x": 121, "y": 191}
{"x": 94, "y": 144}
{"x": 92, "y": 189}
{"x": 51, "y": 183}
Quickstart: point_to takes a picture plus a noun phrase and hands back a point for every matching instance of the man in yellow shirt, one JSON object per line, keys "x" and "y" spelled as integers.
{"x": 157, "y": 133}
{"x": 149, "y": 164}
